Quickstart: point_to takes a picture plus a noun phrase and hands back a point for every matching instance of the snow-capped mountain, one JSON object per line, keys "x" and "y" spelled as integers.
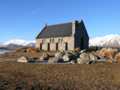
{"x": 16, "y": 43}
{"x": 106, "y": 41}
{"x": 112, "y": 40}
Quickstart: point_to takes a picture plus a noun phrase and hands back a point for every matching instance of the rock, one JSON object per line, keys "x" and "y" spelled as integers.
{"x": 55, "y": 60}
{"x": 40, "y": 59}
{"x": 45, "y": 56}
{"x": 108, "y": 53}
{"x": 21, "y": 85}
{"x": 4, "y": 84}
{"x": 104, "y": 60}
{"x": 77, "y": 50}
{"x": 59, "y": 54}
{"x": 66, "y": 58}
{"x": 109, "y": 61}
{"x": 69, "y": 56}
{"x": 117, "y": 58}
{"x": 92, "y": 57}
{"x": 32, "y": 60}
{"x": 72, "y": 62}
{"x": 31, "y": 50}
{"x": 51, "y": 61}
{"x": 22, "y": 59}
{"x": 76, "y": 54}
{"x": 59, "y": 57}
{"x": 82, "y": 51}
{"x": 84, "y": 59}
{"x": 87, "y": 58}
{"x": 88, "y": 50}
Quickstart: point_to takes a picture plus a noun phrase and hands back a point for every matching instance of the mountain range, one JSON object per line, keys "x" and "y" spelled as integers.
{"x": 16, "y": 43}
{"x": 112, "y": 40}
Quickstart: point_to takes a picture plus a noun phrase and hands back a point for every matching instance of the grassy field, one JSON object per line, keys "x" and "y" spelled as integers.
{"x": 16, "y": 76}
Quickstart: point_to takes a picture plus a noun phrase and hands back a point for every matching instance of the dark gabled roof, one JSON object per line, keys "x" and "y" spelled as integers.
{"x": 58, "y": 30}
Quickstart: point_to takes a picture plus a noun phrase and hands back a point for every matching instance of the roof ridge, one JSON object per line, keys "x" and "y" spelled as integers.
{"x": 58, "y": 24}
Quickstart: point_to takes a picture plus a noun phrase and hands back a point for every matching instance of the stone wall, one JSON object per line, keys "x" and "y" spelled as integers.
{"x": 53, "y": 43}
{"x": 81, "y": 36}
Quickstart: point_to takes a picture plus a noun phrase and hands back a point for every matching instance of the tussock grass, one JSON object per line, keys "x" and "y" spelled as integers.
{"x": 18, "y": 76}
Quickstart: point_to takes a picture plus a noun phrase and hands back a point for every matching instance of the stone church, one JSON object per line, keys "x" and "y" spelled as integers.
{"x": 65, "y": 36}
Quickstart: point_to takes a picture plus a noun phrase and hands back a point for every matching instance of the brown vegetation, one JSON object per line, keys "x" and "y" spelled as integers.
{"x": 14, "y": 76}
{"x": 26, "y": 51}
{"x": 77, "y": 49}
{"x": 108, "y": 52}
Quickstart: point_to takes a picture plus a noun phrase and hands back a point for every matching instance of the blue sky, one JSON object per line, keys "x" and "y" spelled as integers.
{"x": 23, "y": 19}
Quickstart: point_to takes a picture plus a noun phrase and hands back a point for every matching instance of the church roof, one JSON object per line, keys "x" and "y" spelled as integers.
{"x": 58, "y": 30}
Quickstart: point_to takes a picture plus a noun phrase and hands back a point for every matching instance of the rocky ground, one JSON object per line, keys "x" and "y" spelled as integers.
{"x": 14, "y": 55}
{"x": 91, "y": 69}
{"x": 92, "y": 55}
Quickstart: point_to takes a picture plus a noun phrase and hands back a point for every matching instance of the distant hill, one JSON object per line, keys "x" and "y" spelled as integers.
{"x": 16, "y": 43}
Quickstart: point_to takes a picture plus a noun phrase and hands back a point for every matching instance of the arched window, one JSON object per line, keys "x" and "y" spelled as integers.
{"x": 56, "y": 46}
{"x": 40, "y": 46}
{"x": 66, "y": 46}
{"x": 48, "y": 47}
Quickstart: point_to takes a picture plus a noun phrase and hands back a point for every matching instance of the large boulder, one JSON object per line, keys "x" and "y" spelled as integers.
{"x": 108, "y": 53}
{"x": 59, "y": 54}
{"x": 66, "y": 58}
{"x": 55, "y": 60}
{"x": 109, "y": 61}
{"x": 45, "y": 56}
{"x": 77, "y": 50}
{"x": 84, "y": 59}
{"x": 71, "y": 56}
{"x": 26, "y": 59}
{"x": 58, "y": 57}
{"x": 31, "y": 50}
{"x": 102, "y": 60}
{"x": 93, "y": 57}
{"x": 117, "y": 58}
{"x": 87, "y": 58}
{"x": 22, "y": 59}
{"x": 76, "y": 54}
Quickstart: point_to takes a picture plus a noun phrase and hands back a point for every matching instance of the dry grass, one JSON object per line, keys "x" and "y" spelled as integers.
{"x": 13, "y": 56}
{"x": 14, "y": 76}
{"x": 108, "y": 52}
{"x": 117, "y": 57}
